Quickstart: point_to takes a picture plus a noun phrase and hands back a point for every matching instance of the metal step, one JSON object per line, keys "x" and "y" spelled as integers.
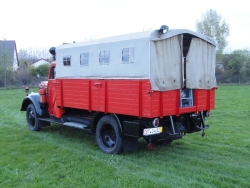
{"x": 202, "y": 128}
{"x": 70, "y": 124}
{"x": 52, "y": 120}
{"x": 76, "y": 125}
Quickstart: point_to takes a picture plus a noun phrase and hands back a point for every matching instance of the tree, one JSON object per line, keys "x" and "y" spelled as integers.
{"x": 246, "y": 65}
{"x": 5, "y": 62}
{"x": 234, "y": 63}
{"x": 212, "y": 24}
{"x": 39, "y": 53}
{"x": 33, "y": 54}
{"x": 24, "y": 57}
{"x": 42, "y": 70}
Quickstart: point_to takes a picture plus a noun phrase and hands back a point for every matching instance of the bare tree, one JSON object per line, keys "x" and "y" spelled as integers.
{"x": 29, "y": 56}
{"x": 212, "y": 24}
{"x": 39, "y": 53}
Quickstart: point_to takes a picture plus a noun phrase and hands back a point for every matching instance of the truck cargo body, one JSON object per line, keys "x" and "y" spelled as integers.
{"x": 127, "y": 97}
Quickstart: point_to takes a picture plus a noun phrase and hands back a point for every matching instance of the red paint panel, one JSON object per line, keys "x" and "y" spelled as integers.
{"x": 211, "y": 99}
{"x": 156, "y": 104}
{"x": 123, "y": 97}
{"x": 204, "y": 99}
{"x": 75, "y": 93}
{"x": 128, "y": 97}
{"x": 201, "y": 99}
{"x": 187, "y": 110}
{"x": 58, "y": 93}
{"x": 98, "y": 95}
{"x": 149, "y": 100}
{"x": 169, "y": 102}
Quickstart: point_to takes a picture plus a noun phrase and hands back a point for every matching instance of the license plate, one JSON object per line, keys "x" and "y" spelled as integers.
{"x": 152, "y": 131}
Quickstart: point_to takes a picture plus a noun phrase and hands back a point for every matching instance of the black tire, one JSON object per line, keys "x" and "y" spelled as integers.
{"x": 108, "y": 136}
{"x": 31, "y": 118}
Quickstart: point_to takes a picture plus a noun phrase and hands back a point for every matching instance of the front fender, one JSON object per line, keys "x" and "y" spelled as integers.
{"x": 32, "y": 98}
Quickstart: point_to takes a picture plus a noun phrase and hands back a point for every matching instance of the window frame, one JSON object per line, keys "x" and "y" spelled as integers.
{"x": 67, "y": 60}
{"x": 105, "y": 58}
{"x": 129, "y": 56}
{"x": 84, "y": 59}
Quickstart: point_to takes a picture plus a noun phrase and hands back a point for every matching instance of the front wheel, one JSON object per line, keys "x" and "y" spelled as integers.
{"x": 31, "y": 118}
{"x": 108, "y": 136}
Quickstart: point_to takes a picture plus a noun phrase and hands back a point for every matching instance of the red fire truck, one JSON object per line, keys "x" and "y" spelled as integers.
{"x": 157, "y": 84}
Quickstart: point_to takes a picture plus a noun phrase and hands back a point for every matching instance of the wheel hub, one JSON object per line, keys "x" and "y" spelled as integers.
{"x": 31, "y": 118}
{"x": 108, "y": 136}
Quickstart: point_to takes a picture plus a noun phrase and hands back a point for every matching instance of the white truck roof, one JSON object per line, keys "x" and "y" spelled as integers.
{"x": 154, "y": 56}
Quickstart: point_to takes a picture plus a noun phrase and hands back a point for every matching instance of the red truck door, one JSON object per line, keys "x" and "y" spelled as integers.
{"x": 51, "y": 88}
{"x": 99, "y": 95}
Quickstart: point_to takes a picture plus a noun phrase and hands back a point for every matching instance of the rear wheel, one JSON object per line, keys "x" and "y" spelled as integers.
{"x": 31, "y": 118}
{"x": 108, "y": 136}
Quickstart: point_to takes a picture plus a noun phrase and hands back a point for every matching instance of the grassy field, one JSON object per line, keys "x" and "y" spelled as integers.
{"x": 60, "y": 156}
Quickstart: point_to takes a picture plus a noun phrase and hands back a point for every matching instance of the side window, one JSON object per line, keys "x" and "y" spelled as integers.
{"x": 66, "y": 60}
{"x": 84, "y": 59}
{"x": 128, "y": 55}
{"x": 104, "y": 57}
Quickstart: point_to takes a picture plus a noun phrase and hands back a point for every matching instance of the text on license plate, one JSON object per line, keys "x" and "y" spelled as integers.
{"x": 151, "y": 131}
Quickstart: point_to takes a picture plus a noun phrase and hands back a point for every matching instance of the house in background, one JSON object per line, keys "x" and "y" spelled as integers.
{"x": 40, "y": 62}
{"x": 8, "y": 53}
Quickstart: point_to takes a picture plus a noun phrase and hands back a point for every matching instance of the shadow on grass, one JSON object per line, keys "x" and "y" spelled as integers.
{"x": 74, "y": 135}
{"x": 69, "y": 133}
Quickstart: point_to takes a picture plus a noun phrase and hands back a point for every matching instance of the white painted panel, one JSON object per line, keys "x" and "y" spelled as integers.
{"x": 114, "y": 69}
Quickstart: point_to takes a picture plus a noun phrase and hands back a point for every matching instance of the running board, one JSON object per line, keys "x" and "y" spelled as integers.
{"x": 51, "y": 120}
{"x": 76, "y": 125}
{"x": 69, "y": 124}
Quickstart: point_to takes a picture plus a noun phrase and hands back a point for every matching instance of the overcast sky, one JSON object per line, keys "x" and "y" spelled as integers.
{"x": 46, "y": 23}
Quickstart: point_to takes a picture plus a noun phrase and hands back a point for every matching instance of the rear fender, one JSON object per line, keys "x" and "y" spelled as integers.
{"x": 32, "y": 98}
{"x": 98, "y": 115}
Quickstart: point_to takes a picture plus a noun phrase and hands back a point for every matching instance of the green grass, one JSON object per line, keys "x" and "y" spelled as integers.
{"x": 60, "y": 156}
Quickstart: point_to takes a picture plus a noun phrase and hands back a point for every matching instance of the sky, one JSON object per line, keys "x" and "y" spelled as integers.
{"x": 47, "y": 23}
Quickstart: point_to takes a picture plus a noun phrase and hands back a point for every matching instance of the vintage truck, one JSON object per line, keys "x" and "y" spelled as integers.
{"x": 157, "y": 84}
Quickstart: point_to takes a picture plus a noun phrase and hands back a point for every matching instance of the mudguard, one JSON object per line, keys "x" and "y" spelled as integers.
{"x": 32, "y": 98}
{"x": 98, "y": 115}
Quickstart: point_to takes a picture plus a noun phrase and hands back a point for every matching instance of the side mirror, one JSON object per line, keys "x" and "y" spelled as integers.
{"x": 52, "y": 50}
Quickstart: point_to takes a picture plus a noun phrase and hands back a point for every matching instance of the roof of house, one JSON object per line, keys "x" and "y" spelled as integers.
{"x": 41, "y": 60}
{"x": 8, "y": 46}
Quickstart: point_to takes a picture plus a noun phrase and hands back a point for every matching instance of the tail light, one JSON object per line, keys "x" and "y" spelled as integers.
{"x": 156, "y": 122}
